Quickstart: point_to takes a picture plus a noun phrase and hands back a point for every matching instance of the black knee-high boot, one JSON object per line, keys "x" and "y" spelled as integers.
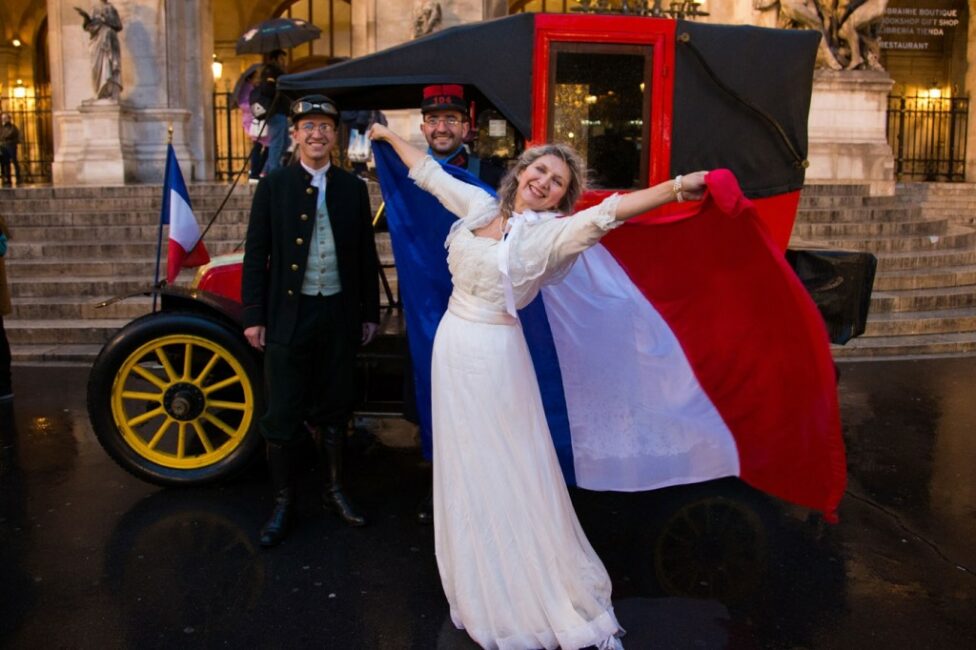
{"x": 280, "y": 464}
{"x": 331, "y": 441}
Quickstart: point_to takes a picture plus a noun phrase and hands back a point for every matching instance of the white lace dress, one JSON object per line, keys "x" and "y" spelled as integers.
{"x": 516, "y": 567}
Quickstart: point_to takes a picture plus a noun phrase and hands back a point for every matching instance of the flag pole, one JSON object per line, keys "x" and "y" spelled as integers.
{"x": 159, "y": 239}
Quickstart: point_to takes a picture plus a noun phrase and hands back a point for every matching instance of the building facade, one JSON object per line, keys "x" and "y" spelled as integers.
{"x": 179, "y": 64}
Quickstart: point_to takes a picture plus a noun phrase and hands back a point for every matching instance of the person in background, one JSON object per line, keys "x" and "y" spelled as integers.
{"x": 258, "y": 136}
{"x": 9, "y": 140}
{"x": 6, "y": 385}
{"x": 266, "y": 105}
{"x": 310, "y": 291}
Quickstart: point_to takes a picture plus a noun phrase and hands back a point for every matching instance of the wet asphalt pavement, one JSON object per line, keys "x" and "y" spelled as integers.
{"x": 91, "y": 557}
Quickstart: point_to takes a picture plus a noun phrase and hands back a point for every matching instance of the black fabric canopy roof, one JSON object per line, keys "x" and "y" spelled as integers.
{"x": 493, "y": 59}
{"x": 770, "y": 69}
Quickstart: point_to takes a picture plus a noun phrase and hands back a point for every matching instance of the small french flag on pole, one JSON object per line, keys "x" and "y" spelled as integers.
{"x": 185, "y": 246}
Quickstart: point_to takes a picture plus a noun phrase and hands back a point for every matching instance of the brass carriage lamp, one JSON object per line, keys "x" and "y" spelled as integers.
{"x": 217, "y": 67}
{"x": 20, "y": 90}
{"x": 16, "y": 42}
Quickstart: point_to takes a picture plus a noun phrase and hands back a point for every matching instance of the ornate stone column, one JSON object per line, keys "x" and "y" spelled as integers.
{"x": 166, "y": 48}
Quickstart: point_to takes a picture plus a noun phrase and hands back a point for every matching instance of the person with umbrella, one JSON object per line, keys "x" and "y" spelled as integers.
{"x": 265, "y": 105}
{"x": 271, "y": 38}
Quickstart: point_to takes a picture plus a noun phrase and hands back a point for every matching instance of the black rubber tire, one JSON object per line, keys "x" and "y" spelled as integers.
{"x": 110, "y": 362}
{"x": 706, "y": 541}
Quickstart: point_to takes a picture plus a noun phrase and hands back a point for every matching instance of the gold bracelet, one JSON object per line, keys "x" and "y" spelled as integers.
{"x": 676, "y": 188}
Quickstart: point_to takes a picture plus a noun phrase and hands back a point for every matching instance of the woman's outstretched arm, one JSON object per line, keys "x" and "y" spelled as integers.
{"x": 690, "y": 187}
{"x": 409, "y": 154}
{"x": 464, "y": 200}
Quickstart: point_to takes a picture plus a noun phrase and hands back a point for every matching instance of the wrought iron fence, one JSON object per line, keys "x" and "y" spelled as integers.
{"x": 32, "y": 116}
{"x": 231, "y": 144}
{"x": 928, "y": 137}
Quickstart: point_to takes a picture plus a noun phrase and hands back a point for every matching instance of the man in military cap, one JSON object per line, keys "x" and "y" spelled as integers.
{"x": 311, "y": 296}
{"x": 446, "y": 124}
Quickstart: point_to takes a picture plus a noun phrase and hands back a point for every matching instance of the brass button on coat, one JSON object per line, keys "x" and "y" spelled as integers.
{"x": 304, "y": 217}
{"x": 299, "y": 241}
{"x": 291, "y": 293}
{"x": 310, "y": 190}
{"x": 294, "y": 267}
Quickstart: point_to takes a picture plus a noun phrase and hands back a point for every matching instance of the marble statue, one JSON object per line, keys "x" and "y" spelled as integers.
{"x": 848, "y": 29}
{"x": 103, "y": 26}
{"x": 427, "y": 15}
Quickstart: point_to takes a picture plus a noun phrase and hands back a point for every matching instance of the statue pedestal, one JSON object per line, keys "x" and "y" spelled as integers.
{"x": 109, "y": 143}
{"x": 95, "y": 148}
{"x": 846, "y": 130}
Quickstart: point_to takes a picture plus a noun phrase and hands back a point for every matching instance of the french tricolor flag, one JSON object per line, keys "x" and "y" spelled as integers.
{"x": 185, "y": 247}
{"x": 680, "y": 349}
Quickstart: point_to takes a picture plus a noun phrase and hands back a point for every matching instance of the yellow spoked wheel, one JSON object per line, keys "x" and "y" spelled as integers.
{"x": 174, "y": 398}
{"x": 182, "y": 401}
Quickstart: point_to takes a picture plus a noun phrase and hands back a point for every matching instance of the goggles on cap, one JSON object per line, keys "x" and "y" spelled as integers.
{"x": 303, "y": 107}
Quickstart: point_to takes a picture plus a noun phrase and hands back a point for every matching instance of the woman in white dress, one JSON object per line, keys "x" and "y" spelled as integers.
{"x": 517, "y": 570}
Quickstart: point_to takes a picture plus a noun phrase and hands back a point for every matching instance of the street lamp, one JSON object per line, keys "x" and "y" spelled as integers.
{"x": 16, "y": 42}
{"x": 217, "y": 66}
{"x": 20, "y": 91}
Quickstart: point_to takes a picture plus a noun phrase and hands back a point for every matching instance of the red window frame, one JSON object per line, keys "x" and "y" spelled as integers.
{"x": 658, "y": 33}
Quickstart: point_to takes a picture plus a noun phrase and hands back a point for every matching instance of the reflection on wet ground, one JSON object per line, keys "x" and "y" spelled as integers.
{"x": 92, "y": 557}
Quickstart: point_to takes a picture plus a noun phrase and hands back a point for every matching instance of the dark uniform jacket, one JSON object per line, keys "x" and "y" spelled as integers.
{"x": 276, "y": 250}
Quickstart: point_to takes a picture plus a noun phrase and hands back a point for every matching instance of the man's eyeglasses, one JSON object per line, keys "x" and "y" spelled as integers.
{"x": 323, "y": 128}
{"x": 432, "y": 121}
{"x": 302, "y": 107}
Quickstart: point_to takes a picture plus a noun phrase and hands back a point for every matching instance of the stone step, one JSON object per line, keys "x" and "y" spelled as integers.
{"x": 63, "y": 331}
{"x": 78, "y": 308}
{"x": 916, "y": 279}
{"x": 817, "y": 231}
{"x": 918, "y": 260}
{"x": 860, "y": 215}
{"x": 915, "y": 300}
{"x": 26, "y": 234}
{"x": 822, "y": 201}
{"x": 51, "y": 353}
{"x": 203, "y": 205}
{"x": 815, "y": 189}
{"x": 76, "y": 286}
{"x": 120, "y": 218}
{"x": 899, "y": 199}
{"x": 899, "y": 347}
{"x": 945, "y": 321}
{"x": 105, "y": 249}
{"x": 955, "y": 237}
{"x": 78, "y": 252}
{"x": 119, "y": 191}
{"x": 51, "y": 268}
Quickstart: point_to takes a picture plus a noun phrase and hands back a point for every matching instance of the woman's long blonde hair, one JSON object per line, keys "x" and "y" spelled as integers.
{"x": 574, "y": 188}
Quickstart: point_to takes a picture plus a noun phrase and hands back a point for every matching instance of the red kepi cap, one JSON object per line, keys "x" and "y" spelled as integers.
{"x": 444, "y": 97}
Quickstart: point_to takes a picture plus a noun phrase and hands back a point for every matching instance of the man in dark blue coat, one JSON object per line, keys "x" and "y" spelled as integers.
{"x": 310, "y": 290}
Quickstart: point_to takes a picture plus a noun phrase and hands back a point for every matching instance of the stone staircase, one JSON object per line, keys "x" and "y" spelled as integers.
{"x": 75, "y": 247}
{"x": 924, "y": 299}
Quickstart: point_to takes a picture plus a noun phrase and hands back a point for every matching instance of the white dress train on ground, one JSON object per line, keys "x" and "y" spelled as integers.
{"x": 516, "y": 568}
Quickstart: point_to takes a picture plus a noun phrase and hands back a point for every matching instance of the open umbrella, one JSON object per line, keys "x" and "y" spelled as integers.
{"x": 276, "y": 34}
